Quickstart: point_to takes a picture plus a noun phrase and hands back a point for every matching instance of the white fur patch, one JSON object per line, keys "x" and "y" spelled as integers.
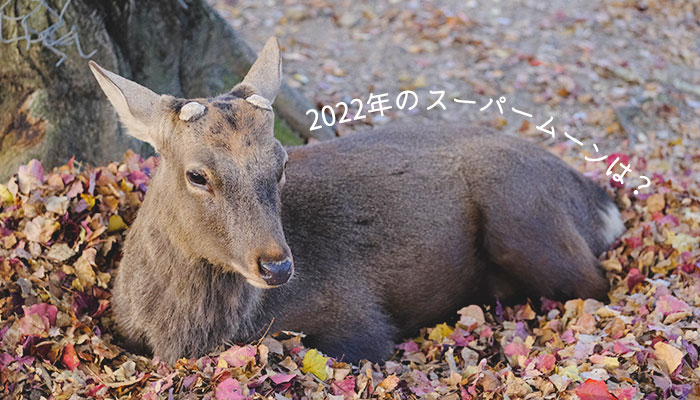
{"x": 259, "y": 101}
{"x": 191, "y": 111}
{"x": 612, "y": 223}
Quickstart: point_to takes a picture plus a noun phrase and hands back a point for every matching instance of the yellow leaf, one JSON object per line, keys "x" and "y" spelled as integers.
{"x": 681, "y": 241}
{"x": 669, "y": 355}
{"x": 90, "y": 200}
{"x": 315, "y": 363}
{"x": 5, "y": 195}
{"x": 570, "y": 371}
{"x": 609, "y": 363}
{"x": 126, "y": 186}
{"x": 440, "y": 332}
{"x": 116, "y": 223}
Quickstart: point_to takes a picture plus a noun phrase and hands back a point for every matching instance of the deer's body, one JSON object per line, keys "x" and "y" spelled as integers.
{"x": 390, "y": 230}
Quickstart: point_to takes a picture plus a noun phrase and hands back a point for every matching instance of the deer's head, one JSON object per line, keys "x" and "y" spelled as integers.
{"x": 221, "y": 170}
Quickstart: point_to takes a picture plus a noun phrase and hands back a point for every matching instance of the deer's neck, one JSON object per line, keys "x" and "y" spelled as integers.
{"x": 214, "y": 302}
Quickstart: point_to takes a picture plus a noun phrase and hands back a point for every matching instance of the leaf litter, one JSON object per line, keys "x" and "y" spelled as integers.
{"x": 60, "y": 244}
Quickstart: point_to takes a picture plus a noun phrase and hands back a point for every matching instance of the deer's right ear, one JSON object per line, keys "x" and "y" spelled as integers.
{"x": 266, "y": 72}
{"x": 135, "y": 104}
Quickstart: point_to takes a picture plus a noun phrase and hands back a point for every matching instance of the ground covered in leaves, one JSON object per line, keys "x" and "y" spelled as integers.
{"x": 60, "y": 244}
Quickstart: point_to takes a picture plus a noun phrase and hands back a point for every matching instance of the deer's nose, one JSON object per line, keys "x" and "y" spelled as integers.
{"x": 275, "y": 273}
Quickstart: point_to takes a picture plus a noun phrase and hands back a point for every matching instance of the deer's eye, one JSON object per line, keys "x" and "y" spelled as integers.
{"x": 197, "y": 179}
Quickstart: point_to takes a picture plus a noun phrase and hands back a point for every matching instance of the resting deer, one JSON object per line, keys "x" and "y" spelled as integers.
{"x": 356, "y": 242}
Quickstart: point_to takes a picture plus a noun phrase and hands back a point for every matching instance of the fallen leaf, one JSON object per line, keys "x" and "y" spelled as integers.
{"x": 667, "y": 304}
{"x": 6, "y": 196}
{"x": 390, "y": 382}
{"x": 238, "y": 356}
{"x": 116, "y": 223}
{"x": 315, "y": 363}
{"x": 60, "y": 252}
{"x": 669, "y": 355}
{"x": 84, "y": 270}
{"x": 70, "y": 358}
{"x": 281, "y": 378}
{"x": 345, "y": 387}
{"x": 594, "y": 390}
{"x": 440, "y": 332}
{"x": 229, "y": 389}
{"x": 656, "y": 202}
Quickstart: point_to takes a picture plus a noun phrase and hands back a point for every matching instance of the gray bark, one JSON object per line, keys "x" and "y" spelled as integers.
{"x": 52, "y": 112}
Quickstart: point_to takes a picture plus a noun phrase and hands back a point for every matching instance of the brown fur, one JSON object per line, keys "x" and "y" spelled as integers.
{"x": 390, "y": 230}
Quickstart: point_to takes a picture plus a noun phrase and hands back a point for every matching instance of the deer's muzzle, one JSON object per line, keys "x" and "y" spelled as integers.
{"x": 275, "y": 273}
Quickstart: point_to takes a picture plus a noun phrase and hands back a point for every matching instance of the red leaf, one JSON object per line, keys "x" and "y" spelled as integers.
{"x": 633, "y": 242}
{"x": 345, "y": 388}
{"x": 546, "y": 362}
{"x": 70, "y": 359}
{"x": 634, "y": 277}
{"x": 594, "y": 390}
{"x": 620, "y": 157}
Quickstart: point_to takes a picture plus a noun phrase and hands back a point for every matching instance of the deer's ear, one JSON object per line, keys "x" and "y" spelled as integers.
{"x": 265, "y": 74}
{"x": 135, "y": 104}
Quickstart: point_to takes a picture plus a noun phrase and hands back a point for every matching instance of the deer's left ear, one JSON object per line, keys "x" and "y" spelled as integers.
{"x": 135, "y": 104}
{"x": 266, "y": 73}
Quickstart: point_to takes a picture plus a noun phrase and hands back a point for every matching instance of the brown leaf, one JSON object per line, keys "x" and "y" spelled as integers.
{"x": 670, "y": 356}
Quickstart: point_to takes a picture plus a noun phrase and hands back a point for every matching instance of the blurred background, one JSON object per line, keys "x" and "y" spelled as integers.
{"x": 619, "y": 74}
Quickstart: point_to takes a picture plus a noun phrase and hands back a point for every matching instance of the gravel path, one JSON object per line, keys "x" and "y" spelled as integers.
{"x": 622, "y": 76}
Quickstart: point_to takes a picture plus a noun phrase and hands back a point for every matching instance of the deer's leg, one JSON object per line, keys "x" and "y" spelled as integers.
{"x": 364, "y": 334}
{"x": 544, "y": 254}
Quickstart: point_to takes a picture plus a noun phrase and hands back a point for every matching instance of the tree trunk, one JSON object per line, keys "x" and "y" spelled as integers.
{"x": 52, "y": 112}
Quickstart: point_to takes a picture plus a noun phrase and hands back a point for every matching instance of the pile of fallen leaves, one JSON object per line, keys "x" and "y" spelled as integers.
{"x": 60, "y": 242}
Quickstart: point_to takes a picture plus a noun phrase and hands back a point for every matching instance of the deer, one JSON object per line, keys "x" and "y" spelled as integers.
{"x": 357, "y": 242}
